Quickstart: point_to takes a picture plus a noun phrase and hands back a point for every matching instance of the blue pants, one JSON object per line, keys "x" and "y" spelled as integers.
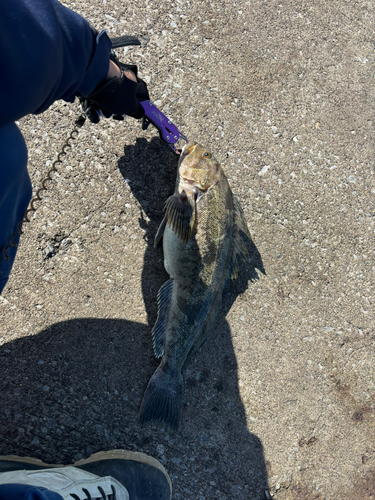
{"x": 26, "y": 492}
{"x": 15, "y": 192}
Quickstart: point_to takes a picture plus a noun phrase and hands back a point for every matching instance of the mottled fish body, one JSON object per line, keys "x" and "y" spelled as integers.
{"x": 202, "y": 247}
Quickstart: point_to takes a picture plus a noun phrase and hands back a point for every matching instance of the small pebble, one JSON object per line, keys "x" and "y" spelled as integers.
{"x": 160, "y": 449}
{"x": 264, "y": 170}
{"x": 49, "y": 250}
{"x": 65, "y": 243}
{"x": 235, "y": 490}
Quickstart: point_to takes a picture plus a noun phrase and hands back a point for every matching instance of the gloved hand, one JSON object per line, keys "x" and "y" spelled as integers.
{"x": 117, "y": 96}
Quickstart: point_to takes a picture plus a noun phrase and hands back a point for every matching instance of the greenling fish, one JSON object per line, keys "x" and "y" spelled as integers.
{"x": 202, "y": 248}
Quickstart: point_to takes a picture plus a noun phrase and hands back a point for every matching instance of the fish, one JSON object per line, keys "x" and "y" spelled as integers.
{"x": 203, "y": 246}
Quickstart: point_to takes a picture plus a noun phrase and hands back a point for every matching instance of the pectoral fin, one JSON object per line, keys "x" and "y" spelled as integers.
{"x": 160, "y": 232}
{"x": 239, "y": 252}
{"x": 239, "y": 218}
{"x": 180, "y": 215}
{"x": 158, "y": 332}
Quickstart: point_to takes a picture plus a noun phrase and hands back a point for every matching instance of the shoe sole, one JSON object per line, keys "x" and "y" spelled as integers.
{"x": 95, "y": 458}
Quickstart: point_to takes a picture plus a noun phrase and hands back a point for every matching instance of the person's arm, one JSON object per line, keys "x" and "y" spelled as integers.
{"x": 47, "y": 52}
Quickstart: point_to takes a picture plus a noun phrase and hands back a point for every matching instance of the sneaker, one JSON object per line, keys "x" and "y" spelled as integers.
{"x": 108, "y": 475}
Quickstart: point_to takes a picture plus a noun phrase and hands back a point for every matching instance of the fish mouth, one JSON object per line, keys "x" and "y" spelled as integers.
{"x": 188, "y": 148}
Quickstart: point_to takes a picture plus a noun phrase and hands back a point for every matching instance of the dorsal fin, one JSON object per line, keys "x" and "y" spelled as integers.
{"x": 164, "y": 301}
{"x": 180, "y": 215}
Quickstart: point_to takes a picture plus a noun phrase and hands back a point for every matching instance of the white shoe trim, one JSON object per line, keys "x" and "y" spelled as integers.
{"x": 66, "y": 481}
{"x": 101, "y": 455}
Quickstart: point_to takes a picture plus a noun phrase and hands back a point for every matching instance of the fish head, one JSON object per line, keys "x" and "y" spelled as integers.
{"x": 198, "y": 169}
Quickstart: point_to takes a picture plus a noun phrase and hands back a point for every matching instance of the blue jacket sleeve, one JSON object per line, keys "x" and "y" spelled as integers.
{"x": 47, "y": 52}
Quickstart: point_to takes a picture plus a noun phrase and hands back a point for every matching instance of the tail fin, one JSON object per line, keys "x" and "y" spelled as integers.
{"x": 162, "y": 398}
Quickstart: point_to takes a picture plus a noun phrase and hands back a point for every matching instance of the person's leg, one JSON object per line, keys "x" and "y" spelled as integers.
{"x": 15, "y": 193}
{"x": 26, "y": 492}
{"x": 120, "y": 474}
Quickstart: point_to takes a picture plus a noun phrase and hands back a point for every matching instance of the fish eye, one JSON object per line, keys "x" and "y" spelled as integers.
{"x": 207, "y": 155}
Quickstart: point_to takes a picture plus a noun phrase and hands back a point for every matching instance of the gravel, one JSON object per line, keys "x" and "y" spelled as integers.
{"x": 282, "y": 394}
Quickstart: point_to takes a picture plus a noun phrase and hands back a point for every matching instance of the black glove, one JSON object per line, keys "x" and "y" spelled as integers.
{"x": 116, "y": 96}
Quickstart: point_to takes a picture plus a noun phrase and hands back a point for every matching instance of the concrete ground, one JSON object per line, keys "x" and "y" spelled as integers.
{"x": 282, "y": 395}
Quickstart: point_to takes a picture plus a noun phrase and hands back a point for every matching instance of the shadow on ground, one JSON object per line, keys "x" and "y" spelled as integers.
{"x": 75, "y": 388}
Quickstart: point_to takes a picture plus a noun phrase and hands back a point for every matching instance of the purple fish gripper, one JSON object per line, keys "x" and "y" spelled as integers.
{"x": 168, "y": 132}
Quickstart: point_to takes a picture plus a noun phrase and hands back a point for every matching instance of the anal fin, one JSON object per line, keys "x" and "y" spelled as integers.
{"x": 158, "y": 331}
